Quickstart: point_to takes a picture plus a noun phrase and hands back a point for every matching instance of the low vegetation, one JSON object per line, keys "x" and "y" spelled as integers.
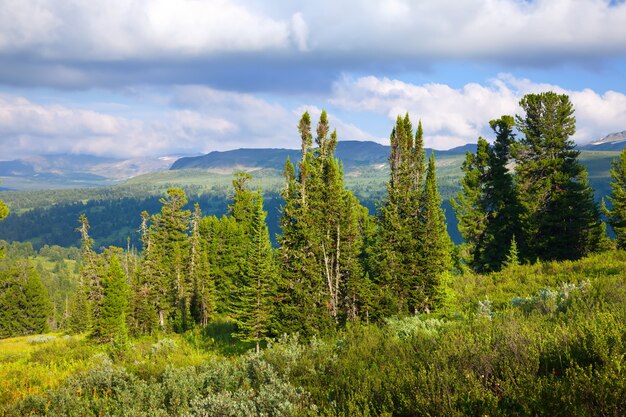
{"x": 545, "y": 339}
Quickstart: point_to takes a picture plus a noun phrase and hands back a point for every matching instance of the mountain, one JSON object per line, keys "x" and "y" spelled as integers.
{"x": 613, "y": 142}
{"x": 352, "y": 153}
{"x": 70, "y": 171}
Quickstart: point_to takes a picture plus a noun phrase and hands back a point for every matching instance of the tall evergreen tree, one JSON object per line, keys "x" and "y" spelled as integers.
{"x": 25, "y": 306}
{"x": 164, "y": 266}
{"x": 471, "y": 203}
{"x": 617, "y": 214}
{"x": 559, "y": 217}
{"x": 487, "y": 206}
{"x": 84, "y": 305}
{"x": 111, "y": 323}
{"x": 203, "y": 298}
{"x": 320, "y": 243}
{"x": 4, "y": 212}
{"x": 436, "y": 246}
{"x": 402, "y": 248}
{"x": 257, "y": 285}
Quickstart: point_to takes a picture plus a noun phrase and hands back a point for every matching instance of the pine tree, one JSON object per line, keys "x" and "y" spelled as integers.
{"x": 253, "y": 296}
{"x": 25, "y": 306}
{"x": 203, "y": 298}
{"x": 617, "y": 214}
{"x": 4, "y": 212}
{"x": 111, "y": 323}
{"x": 487, "y": 206}
{"x": 84, "y": 305}
{"x": 512, "y": 258}
{"x": 471, "y": 203}
{"x": 407, "y": 220}
{"x": 163, "y": 268}
{"x": 321, "y": 247}
{"x": 559, "y": 217}
{"x": 436, "y": 246}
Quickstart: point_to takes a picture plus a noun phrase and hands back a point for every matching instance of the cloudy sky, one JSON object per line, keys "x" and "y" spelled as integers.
{"x": 153, "y": 77}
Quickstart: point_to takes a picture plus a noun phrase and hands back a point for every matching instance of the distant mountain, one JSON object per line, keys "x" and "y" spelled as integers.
{"x": 613, "y": 142}
{"x": 351, "y": 153}
{"x": 67, "y": 170}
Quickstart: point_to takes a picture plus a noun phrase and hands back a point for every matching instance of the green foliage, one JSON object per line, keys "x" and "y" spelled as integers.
{"x": 322, "y": 244}
{"x": 257, "y": 284}
{"x": 111, "y": 323}
{"x": 559, "y": 218}
{"x": 487, "y": 205}
{"x": 24, "y": 302}
{"x": 412, "y": 246}
{"x": 617, "y": 214}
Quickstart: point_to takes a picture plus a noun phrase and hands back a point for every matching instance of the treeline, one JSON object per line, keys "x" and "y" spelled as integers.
{"x": 114, "y": 220}
{"x": 523, "y": 199}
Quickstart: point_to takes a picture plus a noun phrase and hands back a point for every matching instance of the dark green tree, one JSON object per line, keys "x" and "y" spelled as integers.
{"x": 164, "y": 271}
{"x": 487, "y": 206}
{"x": 203, "y": 298}
{"x": 111, "y": 323}
{"x": 84, "y": 305}
{"x": 24, "y": 302}
{"x": 321, "y": 249}
{"x": 559, "y": 218}
{"x": 435, "y": 245}
{"x": 4, "y": 212}
{"x": 253, "y": 296}
{"x": 617, "y": 214}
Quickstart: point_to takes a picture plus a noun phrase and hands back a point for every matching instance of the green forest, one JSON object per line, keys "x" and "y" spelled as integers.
{"x": 335, "y": 307}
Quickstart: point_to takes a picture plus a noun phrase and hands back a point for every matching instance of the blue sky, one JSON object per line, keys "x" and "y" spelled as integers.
{"x": 146, "y": 78}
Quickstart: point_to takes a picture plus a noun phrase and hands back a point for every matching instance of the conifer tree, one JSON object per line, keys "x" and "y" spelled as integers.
{"x": 617, "y": 214}
{"x": 436, "y": 246}
{"x": 471, "y": 203}
{"x": 25, "y": 306}
{"x": 84, "y": 305}
{"x": 4, "y": 212}
{"x": 559, "y": 217}
{"x": 487, "y": 206}
{"x": 163, "y": 268}
{"x": 203, "y": 298}
{"x": 407, "y": 219}
{"x": 257, "y": 284}
{"x": 111, "y": 323}
{"x": 320, "y": 242}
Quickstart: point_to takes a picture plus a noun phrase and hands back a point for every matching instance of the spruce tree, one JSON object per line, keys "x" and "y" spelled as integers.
{"x": 4, "y": 212}
{"x": 203, "y": 298}
{"x": 487, "y": 206}
{"x": 407, "y": 220}
{"x": 559, "y": 217}
{"x": 471, "y": 203}
{"x": 164, "y": 270}
{"x": 84, "y": 305}
{"x": 25, "y": 306}
{"x": 319, "y": 248}
{"x": 111, "y": 323}
{"x": 617, "y": 214}
{"x": 436, "y": 246}
{"x": 253, "y": 300}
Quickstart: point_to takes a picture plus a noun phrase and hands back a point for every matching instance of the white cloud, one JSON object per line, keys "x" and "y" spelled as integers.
{"x": 452, "y": 117}
{"x": 378, "y": 29}
{"x": 28, "y": 128}
{"x": 194, "y": 119}
{"x": 128, "y": 29}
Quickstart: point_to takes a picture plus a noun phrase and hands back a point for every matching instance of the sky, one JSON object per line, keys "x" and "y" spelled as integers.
{"x": 138, "y": 78}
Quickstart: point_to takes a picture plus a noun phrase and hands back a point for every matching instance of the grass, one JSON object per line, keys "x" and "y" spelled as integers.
{"x": 35, "y": 364}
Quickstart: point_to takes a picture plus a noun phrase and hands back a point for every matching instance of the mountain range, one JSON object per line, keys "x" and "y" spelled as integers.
{"x": 75, "y": 171}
